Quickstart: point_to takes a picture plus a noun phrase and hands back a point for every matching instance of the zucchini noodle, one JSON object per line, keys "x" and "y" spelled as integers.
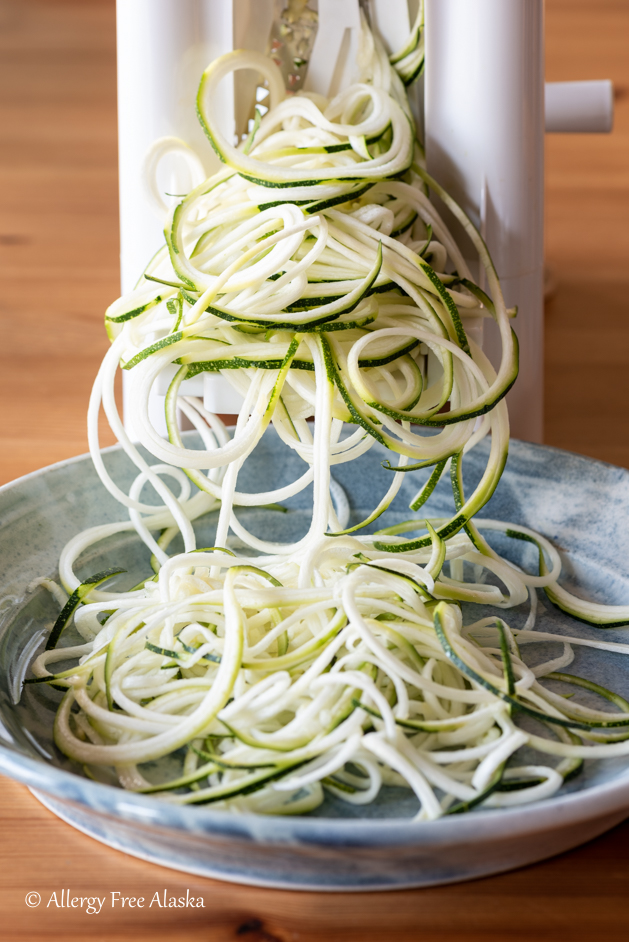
{"x": 314, "y": 273}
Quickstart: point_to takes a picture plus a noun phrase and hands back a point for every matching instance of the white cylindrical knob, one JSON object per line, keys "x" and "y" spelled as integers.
{"x": 580, "y": 107}
{"x": 484, "y": 101}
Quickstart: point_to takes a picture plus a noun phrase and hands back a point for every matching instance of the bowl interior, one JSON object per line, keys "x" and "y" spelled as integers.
{"x": 581, "y": 505}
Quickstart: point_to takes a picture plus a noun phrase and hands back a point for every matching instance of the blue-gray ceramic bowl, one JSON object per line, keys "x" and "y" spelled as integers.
{"x": 582, "y": 505}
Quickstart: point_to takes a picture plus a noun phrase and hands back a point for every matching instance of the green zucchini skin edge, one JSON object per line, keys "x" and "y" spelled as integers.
{"x": 514, "y": 701}
{"x": 74, "y": 601}
{"x": 571, "y": 608}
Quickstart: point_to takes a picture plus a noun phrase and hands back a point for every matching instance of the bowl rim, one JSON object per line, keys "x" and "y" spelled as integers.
{"x": 599, "y": 800}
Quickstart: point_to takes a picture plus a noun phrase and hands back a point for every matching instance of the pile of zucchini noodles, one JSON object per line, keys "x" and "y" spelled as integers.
{"x": 314, "y": 273}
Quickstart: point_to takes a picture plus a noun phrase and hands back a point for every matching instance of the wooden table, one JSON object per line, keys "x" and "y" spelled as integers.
{"x": 58, "y": 256}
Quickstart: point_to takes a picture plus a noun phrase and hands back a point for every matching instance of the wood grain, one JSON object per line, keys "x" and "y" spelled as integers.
{"x": 587, "y": 241}
{"x": 59, "y": 261}
{"x": 577, "y": 896}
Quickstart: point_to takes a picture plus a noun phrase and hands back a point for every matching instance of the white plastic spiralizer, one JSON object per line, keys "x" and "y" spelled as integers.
{"x": 482, "y": 100}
